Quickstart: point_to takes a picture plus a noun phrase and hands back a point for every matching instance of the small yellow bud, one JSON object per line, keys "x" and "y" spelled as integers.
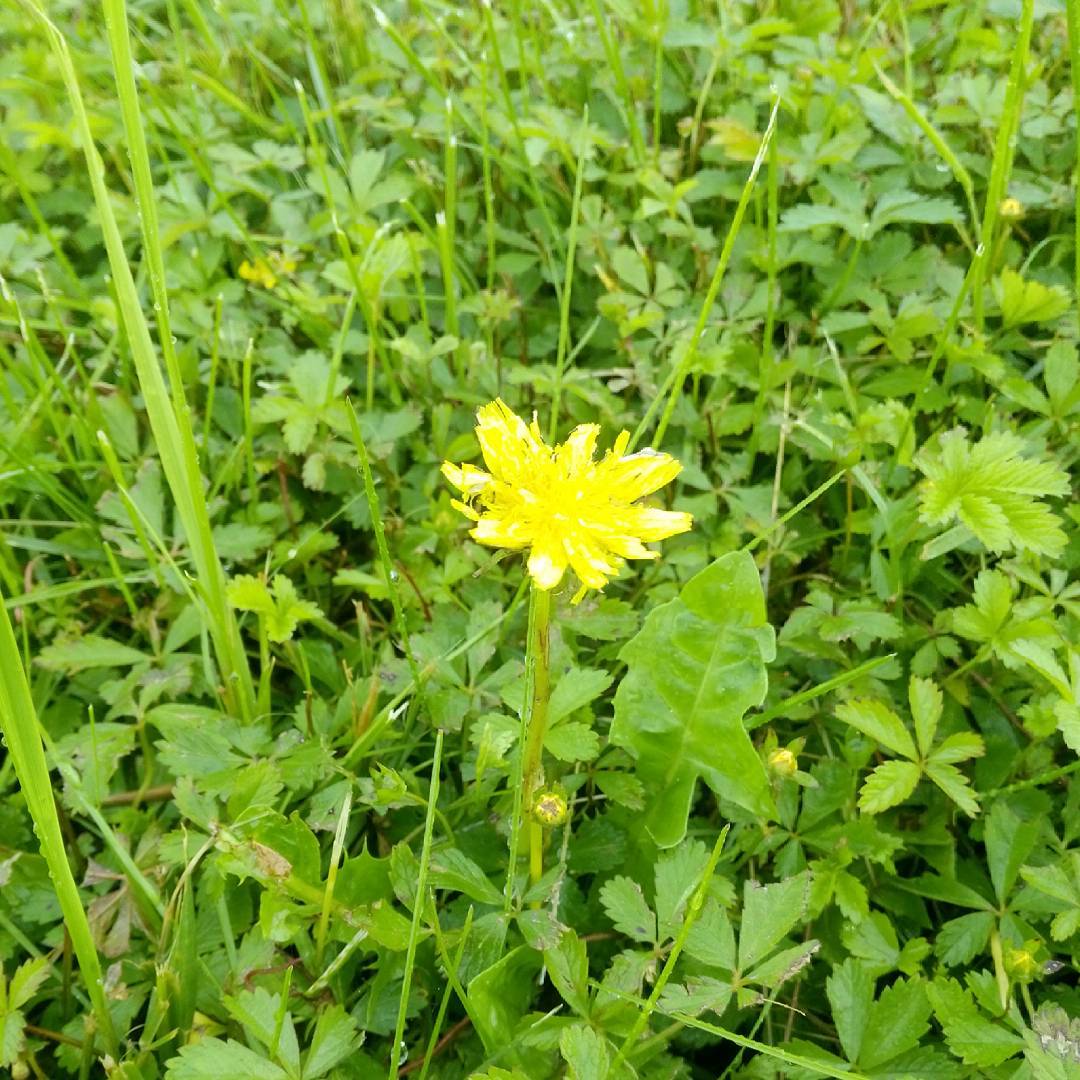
{"x": 550, "y": 809}
{"x": 258, "y": 273}
{"x": 1021, "y": 965}
{"x": 783, "y": 762}
{"x": 1011, "y": 208}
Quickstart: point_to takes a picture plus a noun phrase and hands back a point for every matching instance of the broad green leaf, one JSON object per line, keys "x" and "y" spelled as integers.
{"x": 888, "y": 785}
{"x": 898, "y": 1019}
{"x": 89, "y": 651}
{"x": 769, "y": 913}
{"x": 693, "y": 670}
{"x": 627, "y": 908}
{"x": 850, "y": 989}
{"x": 877, "y": 721}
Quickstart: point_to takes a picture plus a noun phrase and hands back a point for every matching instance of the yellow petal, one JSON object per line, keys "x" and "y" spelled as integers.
{"x": 547, "y": 560}
{"x": 588, "y": 560}
{"x": 466, "y": 478}
{"x": 637, "y": 475}
{"x": 649, "y": 524}
{"x": 576, "y": 454}
{"x": 501, "y": 531}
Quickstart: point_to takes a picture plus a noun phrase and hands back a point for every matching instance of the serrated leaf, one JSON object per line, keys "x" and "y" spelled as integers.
{"x": 335, "y": 1038}
{"x": 925, "y": 700}
{"x": 249, "y": 593}
{"x": 953, "y": 782}
{"x": 453, "y": 869}
{"x": 877, "y": 721}
{"x": 897, "y": 1020}
{"x": 1028, "y": 301}
{"x": 213, "y": 1059}
{"x": 677, "y": 875}
{"x": 712, "y": 938}
{"x": 567, "y": 963}
{"x": 572, "y": 741}
{"x": 574, "y": 689}
{"x": 1008, "y": 840}
{"x": 89, "y": 651}
{"x": 769, "y": 913}
{"x": 850, "y": 989}
{"x": 888, "y": 786}
{"x": 960, "y": 940}
{"x": 585, "y": 1052}
{"x": 693, "y": 670}
{"x": 786, "y": 964}
{"x": 970, "y": 1035}
{"x": 992, "y": 490}
{"x": 961, "y": 746}
{"x": 627, "y": 908}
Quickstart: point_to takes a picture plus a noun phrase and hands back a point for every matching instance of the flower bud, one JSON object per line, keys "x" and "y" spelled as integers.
{"x": 550, "y": 809}
{"x": 1021, "y": 965}
{"x": 1011, "y": 208}
{"x": 783, "y": 762}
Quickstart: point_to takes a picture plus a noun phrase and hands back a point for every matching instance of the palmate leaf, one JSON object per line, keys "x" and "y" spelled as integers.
{"x": 693, "y": 670}
{"x": 993, "y": 491}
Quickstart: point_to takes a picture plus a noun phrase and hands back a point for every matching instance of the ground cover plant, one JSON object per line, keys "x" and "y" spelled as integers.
{"x": 353, "y": 730}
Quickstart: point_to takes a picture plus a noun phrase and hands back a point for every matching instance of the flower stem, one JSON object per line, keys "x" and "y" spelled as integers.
{"x": 538, "y": 687}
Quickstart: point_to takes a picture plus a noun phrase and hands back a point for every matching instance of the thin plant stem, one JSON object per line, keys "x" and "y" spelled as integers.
{"x": 539, "y": 646}
{"x": 19, "y": 723}
{"x": 1072, "y": 19}
{"x": 672, "y": 387}
{"x": 1003, "y": 156}
{"x": 169, "y": 419}
{"x": 693, "y": 910}
{"x": 564, "y": 300}
{"x": 419, "y": 904}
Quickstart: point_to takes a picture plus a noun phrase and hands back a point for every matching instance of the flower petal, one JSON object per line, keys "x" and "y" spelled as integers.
{"x": 547, "y": 560}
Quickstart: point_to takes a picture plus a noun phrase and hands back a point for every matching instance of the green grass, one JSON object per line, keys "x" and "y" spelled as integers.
{"x": 273, "y": 722}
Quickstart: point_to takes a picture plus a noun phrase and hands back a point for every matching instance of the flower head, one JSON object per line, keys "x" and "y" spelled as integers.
{"x": 566, "y": 508}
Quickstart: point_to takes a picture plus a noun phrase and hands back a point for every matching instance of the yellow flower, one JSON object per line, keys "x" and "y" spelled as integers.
{"x": 565, "y": 507}
{"x": 1011, "y": 208}
{"x": 259, "y": 273}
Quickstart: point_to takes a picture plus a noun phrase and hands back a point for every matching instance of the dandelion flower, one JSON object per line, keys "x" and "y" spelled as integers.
{"x": 566, "y": 508}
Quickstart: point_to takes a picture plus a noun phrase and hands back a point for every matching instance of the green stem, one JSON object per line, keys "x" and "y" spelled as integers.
{"x": 1003, "y": 156}
{"x": 1072, "y": 19}
{"x": 536, "y": 659}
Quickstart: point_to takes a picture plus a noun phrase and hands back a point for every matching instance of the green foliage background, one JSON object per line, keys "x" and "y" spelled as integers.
{"x": 817, "y": 756}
